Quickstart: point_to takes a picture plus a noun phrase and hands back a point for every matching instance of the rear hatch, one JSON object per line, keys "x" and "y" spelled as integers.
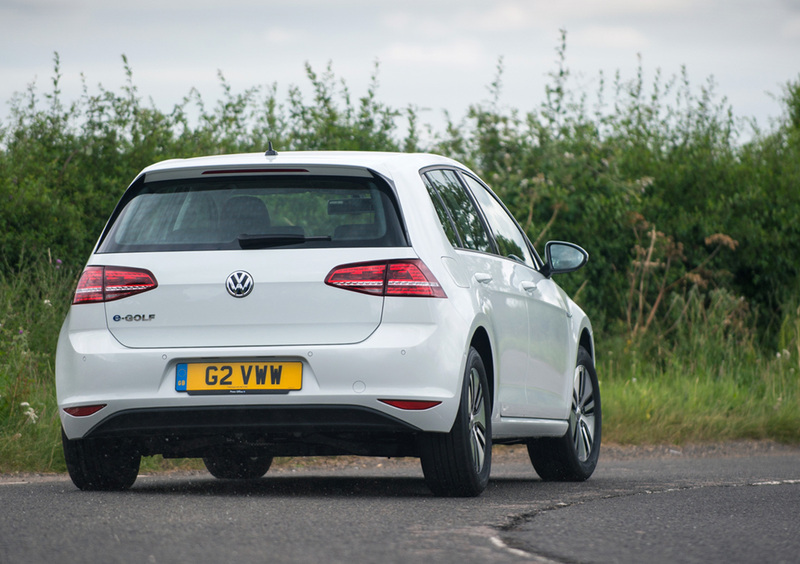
{"x": 289, "y": 302}
{"x": 240, "y": 258}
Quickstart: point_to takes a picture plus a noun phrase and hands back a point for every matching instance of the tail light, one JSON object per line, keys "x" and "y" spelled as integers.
{"x": 107, "y": 283}
{"x": 389, "y": 278}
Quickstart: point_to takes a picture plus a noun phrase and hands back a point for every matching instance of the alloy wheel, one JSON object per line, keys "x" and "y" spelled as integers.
{"x": 477, "y": 420}
{"x": 582, "y": 418}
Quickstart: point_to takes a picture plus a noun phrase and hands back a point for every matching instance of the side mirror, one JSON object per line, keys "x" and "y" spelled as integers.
{"x": 563, "y": 257}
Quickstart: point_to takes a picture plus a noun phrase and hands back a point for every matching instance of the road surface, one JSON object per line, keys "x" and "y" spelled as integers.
{"x": 731, "y": 503}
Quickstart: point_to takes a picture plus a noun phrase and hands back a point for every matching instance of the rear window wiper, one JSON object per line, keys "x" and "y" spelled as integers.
{"x": 267, "y": 240}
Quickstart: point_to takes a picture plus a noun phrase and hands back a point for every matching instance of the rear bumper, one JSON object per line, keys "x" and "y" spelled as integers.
{"x": 273, "y": 430}
{"x": 341, "y": 390}
{"x": 299, "y": 419}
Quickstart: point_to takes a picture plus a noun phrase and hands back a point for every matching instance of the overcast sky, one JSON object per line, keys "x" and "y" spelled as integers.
{"x": 434, "y": 54}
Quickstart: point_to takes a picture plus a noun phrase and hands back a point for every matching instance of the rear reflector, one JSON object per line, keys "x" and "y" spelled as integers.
{"x": 84, "y": 410}
{"x": 410, "y": 278}
{"x": 411, "y": 405}
{"x": 107, "y": 283}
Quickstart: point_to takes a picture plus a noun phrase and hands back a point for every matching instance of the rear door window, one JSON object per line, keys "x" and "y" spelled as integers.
{"x": 511, "y": 242}
{"x": 445, "y": 218}
{"x": 463, "y": 217}
{"x": 256, "y": 212}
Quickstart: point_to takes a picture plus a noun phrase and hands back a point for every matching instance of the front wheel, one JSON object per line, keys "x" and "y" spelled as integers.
{"x": 457, "y": 464}
{"x": 101, "y": 464}
{"x": 573, "y": 457}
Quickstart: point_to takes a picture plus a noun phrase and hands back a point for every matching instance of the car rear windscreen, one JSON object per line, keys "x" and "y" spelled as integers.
{"x": 255, "y": 212}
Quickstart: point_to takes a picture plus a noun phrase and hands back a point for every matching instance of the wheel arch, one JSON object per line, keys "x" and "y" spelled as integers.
{"x": 481, "y": 343}
{"x": 587, "y": 341}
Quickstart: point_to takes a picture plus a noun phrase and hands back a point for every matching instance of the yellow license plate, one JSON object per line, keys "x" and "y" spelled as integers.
{"x": 238, "y": 377}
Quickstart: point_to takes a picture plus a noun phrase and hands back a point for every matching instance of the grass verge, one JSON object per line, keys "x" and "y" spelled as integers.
{"x": 674, "y": 406}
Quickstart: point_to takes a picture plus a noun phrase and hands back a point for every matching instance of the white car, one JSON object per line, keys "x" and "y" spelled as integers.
{"x": 242, "y": 307}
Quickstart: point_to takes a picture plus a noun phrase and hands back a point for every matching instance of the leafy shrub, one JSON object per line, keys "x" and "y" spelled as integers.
{"x": 693, "y": 279}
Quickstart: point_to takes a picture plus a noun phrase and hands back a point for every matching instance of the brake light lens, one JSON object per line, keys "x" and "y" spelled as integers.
{"x": 364, "y": 278}
{"x": 108, "y": 283}
{"x": 409, "y": 278}
{"x": 257, "y": 171}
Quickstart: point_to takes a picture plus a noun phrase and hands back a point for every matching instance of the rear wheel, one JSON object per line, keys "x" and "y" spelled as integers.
{"x": 457, "y": 464}
{"x": 101, "y": 464}
{"x": 235, "y": 466}
{"x": 573, "y": 457}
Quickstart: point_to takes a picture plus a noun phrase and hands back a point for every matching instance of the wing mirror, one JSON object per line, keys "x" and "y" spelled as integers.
{"x": 563, "y": 257}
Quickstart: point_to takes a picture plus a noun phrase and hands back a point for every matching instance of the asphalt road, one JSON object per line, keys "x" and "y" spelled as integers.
{"x": 730, "y": 503}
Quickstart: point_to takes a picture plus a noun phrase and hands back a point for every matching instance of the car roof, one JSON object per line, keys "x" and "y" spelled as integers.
{"x": 382, "y": 162}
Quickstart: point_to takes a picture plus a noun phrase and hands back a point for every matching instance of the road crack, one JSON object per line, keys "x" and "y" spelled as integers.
{"x": 517, "y": 521}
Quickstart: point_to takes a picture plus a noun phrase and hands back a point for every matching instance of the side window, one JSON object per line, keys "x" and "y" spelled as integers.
{"x": 444, "y": 215}
{"x": 465, "y": 218}
{"x": 511, "y": 242}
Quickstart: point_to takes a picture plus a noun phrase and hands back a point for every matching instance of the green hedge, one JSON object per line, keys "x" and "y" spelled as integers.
{"x": 690, "y": 215}
{"x": 653, "y": 180}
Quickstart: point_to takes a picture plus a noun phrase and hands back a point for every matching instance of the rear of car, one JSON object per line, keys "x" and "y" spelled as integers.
{"x": 256, "y": 307}
{"x": 242, "y": 307}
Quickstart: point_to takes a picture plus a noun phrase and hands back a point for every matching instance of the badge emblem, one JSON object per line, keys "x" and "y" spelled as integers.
{"x": 239, "y": 284}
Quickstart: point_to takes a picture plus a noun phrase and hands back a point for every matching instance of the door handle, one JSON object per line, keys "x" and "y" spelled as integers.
{"x": 483, "y": 277}
{"x": 528, "y": 286}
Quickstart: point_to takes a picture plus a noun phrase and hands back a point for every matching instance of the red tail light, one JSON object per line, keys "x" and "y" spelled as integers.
{"x": 364, "y": 278}
{"x": 390, "y": 278}
{"x": 107, "y": 283}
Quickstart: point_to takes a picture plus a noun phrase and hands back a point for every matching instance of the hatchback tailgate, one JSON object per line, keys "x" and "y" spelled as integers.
{"x": 289, "y": 304}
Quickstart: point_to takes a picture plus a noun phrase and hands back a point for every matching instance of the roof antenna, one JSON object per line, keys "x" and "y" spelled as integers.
{"x": 270, "y": 151}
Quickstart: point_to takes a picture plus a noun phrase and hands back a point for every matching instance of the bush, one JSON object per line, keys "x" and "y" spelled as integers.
{"x": 692, "y": 284}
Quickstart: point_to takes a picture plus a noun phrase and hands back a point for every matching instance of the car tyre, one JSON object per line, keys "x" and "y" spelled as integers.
{"x": 573, "y": 457}
{"x": 235, "y": 466}
{"x": 101, "y": 464}
{"x": 457, "y": 464}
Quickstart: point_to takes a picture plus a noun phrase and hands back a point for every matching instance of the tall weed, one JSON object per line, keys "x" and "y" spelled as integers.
{"x": 33, "y": 302}
{"x": 705, "y": 380}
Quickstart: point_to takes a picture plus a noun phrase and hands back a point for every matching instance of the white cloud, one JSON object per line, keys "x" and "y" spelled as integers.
{"x": 280, "y": 36}
{"x": 506, "y": 16}
{"x": 464, "y": 53}
{"x": 612, "y": 8}
{"x": 511, "y": 15}
{"x": 399, "y": 21}
{"x": 609, "y": 36}
{"x": 791, "y": 28}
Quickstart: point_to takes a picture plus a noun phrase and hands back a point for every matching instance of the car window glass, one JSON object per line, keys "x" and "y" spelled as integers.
{"x": 467, "y": 221}
{"x": 444, "y": 215}
{"x": 510, "y": 240}
{"x": 250, "y": 212}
